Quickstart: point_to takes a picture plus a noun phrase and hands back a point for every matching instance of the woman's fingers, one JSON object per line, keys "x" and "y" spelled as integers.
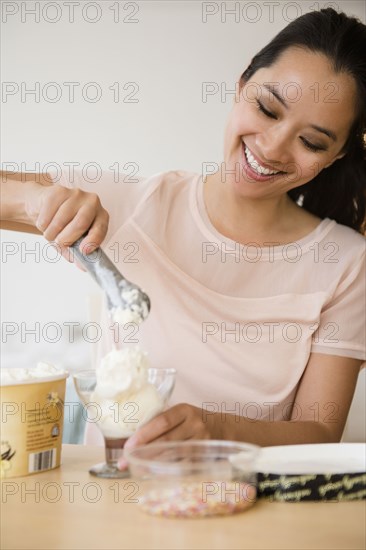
{"x": 66, "y": 214}
{"x": 191, "y": 428}
{"x": 178, "y": 433}
{"x": 180, "y": 422}
{"x": 158, "y": 426}
{"x": 83, "y": 221}
{"x": 70, "y": 223}
{"x": 96, "y": 234}
{"x": 72, "y": 218}
{"x": 50, "y": 199}
{"x": 58, "y": 229}
{"x": 151, "y": 432}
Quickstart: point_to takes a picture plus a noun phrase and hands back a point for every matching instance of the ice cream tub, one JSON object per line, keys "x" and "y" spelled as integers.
{"x": 31, "y": 416}
{"x": 311, "y": 472}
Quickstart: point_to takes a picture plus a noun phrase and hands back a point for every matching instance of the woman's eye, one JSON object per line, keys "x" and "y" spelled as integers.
{"x": 267, "y": 113}
{"x": 308, "y": 145}
{"x": 312, "y": 147}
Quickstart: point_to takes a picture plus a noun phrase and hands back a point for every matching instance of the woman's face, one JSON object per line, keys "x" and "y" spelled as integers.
{"x": 280, "y": 134}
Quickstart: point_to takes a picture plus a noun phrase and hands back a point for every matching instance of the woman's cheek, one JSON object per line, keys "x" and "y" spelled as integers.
{"x": 244, "y": 119}
{"x": 311, "y": 170}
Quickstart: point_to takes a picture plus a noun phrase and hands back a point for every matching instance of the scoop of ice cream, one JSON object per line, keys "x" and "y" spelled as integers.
{"x": 147, "y": 404}
{"x": 124, "y": 316}
{"x": 123, "y": 415}
{"x": 125, "y": 397}
{"x": 136, "y": 311}
{"x": 122, "y": 370}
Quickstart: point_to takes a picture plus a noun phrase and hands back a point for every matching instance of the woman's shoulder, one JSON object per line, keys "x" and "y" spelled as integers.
{"x": 348, "y": 237}
{"x": 343, "y": 249}
{"x": 332, "y": 231}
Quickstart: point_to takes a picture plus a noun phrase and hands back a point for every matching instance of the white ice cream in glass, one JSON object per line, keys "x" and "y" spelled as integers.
{"x": 123, "y": 393}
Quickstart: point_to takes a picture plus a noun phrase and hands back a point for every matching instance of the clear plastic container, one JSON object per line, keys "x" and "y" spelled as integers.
{"x": 194, "y": 478}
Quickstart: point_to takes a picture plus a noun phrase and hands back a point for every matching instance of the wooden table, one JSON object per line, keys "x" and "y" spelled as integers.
{"x": 67, "y": 508}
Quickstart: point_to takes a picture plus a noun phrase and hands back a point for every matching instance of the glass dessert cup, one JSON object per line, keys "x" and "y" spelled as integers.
{"x": 85, "y": 383}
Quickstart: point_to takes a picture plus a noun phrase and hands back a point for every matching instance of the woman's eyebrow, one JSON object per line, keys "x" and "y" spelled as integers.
{"x": 278, "y": 96}
{"x": 325, "y": 131}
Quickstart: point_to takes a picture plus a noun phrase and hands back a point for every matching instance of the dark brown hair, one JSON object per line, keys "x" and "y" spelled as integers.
{"x": 339, "y": 191}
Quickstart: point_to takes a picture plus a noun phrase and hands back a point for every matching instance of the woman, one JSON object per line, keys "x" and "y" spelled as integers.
{"x": 256, "y": 273}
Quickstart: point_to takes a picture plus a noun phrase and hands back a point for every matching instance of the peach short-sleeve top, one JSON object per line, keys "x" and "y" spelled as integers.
{"x": 237, "y": 322}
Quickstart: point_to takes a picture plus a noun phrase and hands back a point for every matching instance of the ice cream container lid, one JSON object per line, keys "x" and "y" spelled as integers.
{"x": 327, "y": 471}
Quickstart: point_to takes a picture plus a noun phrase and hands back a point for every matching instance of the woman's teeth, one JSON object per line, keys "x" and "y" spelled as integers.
{"x": 256, "y": 166}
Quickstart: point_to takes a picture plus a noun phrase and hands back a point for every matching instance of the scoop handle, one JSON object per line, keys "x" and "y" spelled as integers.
{"x": 95, "y": 262}
{"x": 102, "y": 269}
{"x": 120, "y": 292}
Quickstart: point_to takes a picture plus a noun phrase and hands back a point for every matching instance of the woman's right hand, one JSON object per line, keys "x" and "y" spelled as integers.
{"x": 63, "y": 215}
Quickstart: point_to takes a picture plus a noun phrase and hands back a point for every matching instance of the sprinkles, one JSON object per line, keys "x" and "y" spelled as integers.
{"x": 201, "y": 499}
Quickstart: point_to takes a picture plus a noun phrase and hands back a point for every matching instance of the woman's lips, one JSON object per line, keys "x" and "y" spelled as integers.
{"x": 252, "y": 174}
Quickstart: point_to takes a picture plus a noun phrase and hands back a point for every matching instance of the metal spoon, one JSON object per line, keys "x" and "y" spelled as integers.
{"x": 123, "y": 297}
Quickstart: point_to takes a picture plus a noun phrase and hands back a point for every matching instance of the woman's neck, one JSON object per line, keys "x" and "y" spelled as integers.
{"x": 245, "y": 219}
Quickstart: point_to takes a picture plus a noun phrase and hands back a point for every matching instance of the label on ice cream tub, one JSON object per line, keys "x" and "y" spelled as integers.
{"x": 32, "y": 415}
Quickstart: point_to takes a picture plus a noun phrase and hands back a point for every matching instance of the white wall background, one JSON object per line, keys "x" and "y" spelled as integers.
{"x": 168, "y": 52}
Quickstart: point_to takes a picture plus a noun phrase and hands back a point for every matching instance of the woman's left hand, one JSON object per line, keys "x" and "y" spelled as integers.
{"x": 180, "y": 422}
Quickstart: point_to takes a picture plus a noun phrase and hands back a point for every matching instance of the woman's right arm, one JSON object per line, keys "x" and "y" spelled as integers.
{"x": 33, "y": 204}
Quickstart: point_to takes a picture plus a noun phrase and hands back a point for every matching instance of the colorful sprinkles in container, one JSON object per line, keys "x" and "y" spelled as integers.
{"x": 199, "y": 499}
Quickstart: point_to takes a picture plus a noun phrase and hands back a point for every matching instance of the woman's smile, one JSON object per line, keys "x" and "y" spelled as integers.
{"x": 255, "y": 169}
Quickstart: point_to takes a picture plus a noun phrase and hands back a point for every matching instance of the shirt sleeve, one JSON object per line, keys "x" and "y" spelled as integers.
{"x": 342, "y": 326}
{"x": 119, "y": 192}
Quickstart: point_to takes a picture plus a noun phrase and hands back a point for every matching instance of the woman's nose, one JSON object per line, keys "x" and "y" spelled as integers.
{"x": 274, "y": 147}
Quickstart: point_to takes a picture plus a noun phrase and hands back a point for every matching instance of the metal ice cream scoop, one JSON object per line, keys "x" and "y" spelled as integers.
{"x": 125, "y": 300}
